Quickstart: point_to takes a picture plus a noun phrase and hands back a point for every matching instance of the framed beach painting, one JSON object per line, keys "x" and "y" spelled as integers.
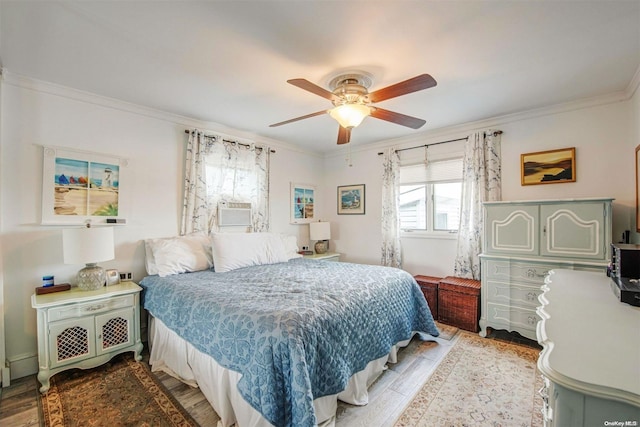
{"x": 548, "y": 167}
{"x": 303, "y": 202}
{"x": 351, "y": 200}
{"x": 80, "y": 187}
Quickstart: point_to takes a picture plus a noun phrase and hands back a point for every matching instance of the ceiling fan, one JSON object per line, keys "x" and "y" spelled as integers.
{"x": 352, "y": 101}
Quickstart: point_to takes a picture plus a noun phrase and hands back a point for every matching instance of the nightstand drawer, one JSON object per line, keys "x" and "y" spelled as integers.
{"x": 93, "y": 307}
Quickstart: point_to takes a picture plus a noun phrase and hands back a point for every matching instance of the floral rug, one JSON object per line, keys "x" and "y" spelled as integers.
{"x": 480, "y": 382}
{"x": 121, "y": 392}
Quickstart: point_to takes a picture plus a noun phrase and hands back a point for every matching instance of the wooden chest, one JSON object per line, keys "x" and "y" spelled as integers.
{"x": 429, "y": 286}
{"x": 459, "y": 302}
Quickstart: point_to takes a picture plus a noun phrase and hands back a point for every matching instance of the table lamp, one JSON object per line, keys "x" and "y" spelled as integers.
{"x": 321, "y": 232}
{"x": 88, "y": 245}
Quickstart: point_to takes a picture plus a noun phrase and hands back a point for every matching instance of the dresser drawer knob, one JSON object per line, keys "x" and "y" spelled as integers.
{"x": 531, "y": 273}
{"x": 95, "y": 307}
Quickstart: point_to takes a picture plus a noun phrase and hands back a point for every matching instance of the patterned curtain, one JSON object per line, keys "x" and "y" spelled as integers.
{"x": 481, "y": 182}
{"x": 217, "y": 170}
{"x": 391, "y": 249}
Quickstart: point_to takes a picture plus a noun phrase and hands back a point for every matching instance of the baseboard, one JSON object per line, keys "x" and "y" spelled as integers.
{"x": 22, "y": 366}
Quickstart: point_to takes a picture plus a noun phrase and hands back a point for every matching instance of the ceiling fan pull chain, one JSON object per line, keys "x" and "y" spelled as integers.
{"x": 426, "y": 158}
{"x": 348, "y": 159}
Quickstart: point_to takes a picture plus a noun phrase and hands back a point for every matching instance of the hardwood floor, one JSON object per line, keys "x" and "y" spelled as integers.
{"x": 388, "y": 395}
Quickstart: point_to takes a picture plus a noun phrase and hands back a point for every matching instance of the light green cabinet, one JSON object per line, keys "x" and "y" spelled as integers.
{"x": 84, "y": 329}
{"x": 525, "y": 240}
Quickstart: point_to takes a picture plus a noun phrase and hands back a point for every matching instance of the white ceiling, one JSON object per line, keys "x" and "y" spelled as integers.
{"x": 227, "y": 62}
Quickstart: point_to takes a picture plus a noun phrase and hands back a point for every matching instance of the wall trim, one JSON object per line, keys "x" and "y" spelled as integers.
{"x": 23, "y": 365}
{"x": 55, "y": 89}
{"x": 448, "y": 132}
{"x": 463, "y": 129}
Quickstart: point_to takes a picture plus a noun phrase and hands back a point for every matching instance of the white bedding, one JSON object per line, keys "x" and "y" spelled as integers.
{"x": 178, "y": 358}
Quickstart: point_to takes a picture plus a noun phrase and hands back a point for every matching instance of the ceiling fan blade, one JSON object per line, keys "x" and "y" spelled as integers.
{"x": 313, "y": 88}
{"x": 317, "y": 113}
{"x": 344, "y": 135}
{"x": 423, "y": 81}
{"x": 400, "y": 119}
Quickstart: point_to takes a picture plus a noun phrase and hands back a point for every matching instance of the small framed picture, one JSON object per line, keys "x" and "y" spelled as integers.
{"x": 351, "y": 200}
{"x": 548, "y": 167}
{"x": 113, "y": 278}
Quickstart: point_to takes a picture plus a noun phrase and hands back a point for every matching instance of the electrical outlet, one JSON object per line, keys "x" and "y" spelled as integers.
{"x": 305, "y": 248}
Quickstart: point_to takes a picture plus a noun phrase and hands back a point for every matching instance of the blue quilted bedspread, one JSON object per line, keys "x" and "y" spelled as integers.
{"x": 296, "y": 331}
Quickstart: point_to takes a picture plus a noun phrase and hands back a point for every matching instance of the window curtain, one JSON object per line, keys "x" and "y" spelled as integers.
{"x": 481, "y": 182}
{"x": 391, "y": 249}
{"x": 218, "y": 170}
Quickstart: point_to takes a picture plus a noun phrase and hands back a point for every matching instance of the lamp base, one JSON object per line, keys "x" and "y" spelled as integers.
{"x": 91, "y": 277}
{"x": 321, "y": 246}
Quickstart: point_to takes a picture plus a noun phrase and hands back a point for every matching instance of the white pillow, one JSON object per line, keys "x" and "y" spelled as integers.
{"x": 181, "y": 254}
{"x": 237, "y": 250}
{"x": 290, "y": 246}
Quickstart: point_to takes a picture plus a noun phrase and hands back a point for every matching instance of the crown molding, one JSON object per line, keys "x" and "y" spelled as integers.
{"x": 448, "y": 132}
{"x": 464, "y": 129}
{"x": 67, "y": 92}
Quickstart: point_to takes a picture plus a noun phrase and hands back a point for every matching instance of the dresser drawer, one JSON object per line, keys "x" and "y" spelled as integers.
{"x": 523, "y": 320}
{"x": 92, "y": 307}
{"x": 509, "y": 293}
{"x": 518, "y": 272}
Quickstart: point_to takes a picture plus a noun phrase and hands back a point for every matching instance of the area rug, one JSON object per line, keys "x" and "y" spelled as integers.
{"x": 447, "y": 332}
{"x": 122, "y": 392}
{"x": 480, "y": 382}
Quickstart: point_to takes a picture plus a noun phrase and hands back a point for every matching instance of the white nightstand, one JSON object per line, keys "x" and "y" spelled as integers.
{"x": 84, "y": 329}
{"x": 329, "y": 256}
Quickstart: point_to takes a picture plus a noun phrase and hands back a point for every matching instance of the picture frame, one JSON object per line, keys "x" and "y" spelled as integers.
{"x": 351, "y": 199}
{"x": 112, "y": 277}
{"x": 80, "y": 187}
{"x": 548, "y": 167}
{"x": 303, "y": 203}
{"x": 638, "y": 188}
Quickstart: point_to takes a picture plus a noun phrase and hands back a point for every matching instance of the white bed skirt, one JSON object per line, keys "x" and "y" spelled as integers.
{"x": 178, "y": 358}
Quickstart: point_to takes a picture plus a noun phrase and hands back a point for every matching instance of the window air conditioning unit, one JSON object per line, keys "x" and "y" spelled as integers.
{"x": 233, "y": 214}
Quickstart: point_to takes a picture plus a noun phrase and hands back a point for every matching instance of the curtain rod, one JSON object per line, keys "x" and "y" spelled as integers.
{"x": 227, "y": 140}
{"x": 498, "y": 132}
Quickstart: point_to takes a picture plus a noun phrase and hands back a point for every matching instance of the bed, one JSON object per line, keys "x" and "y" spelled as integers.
{"x": 279, "y": 341}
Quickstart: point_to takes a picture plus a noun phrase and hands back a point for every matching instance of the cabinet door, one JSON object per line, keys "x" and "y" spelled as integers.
{"x": 573, "y": 230}
{"x": 511, "y": 229}
{"x": 71, "y": 341}
{"x": 115, "y": 330}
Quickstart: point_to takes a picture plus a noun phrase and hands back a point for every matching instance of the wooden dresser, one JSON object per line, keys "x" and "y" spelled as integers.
{"x": 523, "y": 241}
{"x": 591, "y": 352}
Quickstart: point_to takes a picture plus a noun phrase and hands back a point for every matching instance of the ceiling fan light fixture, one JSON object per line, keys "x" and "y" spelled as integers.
{"x": 350, "y": 115}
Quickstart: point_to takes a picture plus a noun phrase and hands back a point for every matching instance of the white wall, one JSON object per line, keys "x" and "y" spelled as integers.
{"x": 599, "y": 129}
{"x": 604, "y": 132}
{"x": 635, "y": 142}
{"x": 36, "y": 114}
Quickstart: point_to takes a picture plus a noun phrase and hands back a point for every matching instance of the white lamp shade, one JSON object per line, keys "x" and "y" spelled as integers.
{"x": 350, "y": 115}
{"x": 319, "y": 230}
{"x": 87, "y": 245}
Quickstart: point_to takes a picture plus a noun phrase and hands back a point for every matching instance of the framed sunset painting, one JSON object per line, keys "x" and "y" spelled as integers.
{"x": 548, "y": 167}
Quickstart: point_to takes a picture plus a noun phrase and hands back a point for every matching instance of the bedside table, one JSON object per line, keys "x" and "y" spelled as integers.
{"x": 84, "y": 329}
{"x": 329, "y": 256}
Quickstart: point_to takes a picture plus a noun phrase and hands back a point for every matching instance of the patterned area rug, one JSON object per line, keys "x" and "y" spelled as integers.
{"x": 121, "y": 392}
{"x": 480, "y": 382}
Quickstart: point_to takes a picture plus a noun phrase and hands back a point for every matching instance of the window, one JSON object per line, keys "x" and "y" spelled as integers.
{"x": 430, "y": 196}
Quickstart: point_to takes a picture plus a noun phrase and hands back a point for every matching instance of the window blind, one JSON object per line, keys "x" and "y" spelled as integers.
{"x": 433, "y": 172}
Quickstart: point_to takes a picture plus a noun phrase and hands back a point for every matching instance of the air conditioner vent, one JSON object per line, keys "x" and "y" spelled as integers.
{"x": 234, "y": 214}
